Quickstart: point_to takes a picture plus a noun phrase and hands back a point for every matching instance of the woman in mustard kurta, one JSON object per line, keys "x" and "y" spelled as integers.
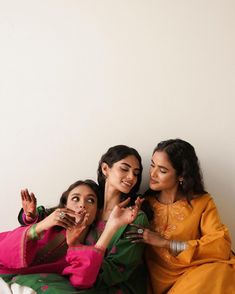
{"x": 189, "y": 249}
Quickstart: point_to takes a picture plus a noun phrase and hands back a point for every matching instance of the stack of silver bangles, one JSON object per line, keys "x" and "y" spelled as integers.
{"x": 177, "y": 246}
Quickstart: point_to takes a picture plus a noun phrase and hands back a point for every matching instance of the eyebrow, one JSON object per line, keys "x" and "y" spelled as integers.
{"x": 161, "y": 166}
{"x": 77, "y": 194}
{"x": 128, "y": 165}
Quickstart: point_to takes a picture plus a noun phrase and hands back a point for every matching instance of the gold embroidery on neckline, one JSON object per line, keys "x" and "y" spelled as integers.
{"x": 167, "y": 216}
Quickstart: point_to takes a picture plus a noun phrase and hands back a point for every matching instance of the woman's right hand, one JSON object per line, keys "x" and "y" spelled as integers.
{"x": 76, "y": 233}
{"x": 62, "y": 217}
{"x": 29, "y": 204}
{"x": 142, "y": 234}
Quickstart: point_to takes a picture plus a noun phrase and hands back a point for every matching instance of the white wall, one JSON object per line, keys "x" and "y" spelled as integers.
{"x": 79, "y": 76}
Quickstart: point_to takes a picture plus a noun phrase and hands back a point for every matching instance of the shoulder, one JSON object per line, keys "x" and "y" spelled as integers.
{"x": 203, "y": 201}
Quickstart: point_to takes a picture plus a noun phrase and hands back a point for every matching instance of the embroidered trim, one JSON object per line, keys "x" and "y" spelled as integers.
{"x": 167, "y": 216}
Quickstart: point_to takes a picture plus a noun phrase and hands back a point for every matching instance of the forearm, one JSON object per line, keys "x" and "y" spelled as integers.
{"x": 36, "y": 230}
{"x": 106, "y": 237}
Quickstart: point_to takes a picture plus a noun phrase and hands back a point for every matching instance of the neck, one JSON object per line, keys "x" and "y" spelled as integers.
{"x": 169, "y": 197}
{"x": 111, "y": 198}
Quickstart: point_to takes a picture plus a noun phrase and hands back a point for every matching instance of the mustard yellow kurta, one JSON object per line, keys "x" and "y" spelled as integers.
{"x": 207, "y": 265}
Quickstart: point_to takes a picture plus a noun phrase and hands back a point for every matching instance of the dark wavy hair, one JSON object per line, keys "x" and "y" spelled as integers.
{"x": 113, "y": 155}
{"x": 184, "y": 160}
{"x": 89, "y": 183}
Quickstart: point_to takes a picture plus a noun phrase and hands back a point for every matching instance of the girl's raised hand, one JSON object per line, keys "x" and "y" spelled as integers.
{"x": 29, "y": 204}
{"x": 122, "y": 215}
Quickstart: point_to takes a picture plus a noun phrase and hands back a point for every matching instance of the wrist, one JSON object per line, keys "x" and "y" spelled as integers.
{"x": 32, "y": 233}
{"x": 112, "y": 227}
{"x": 105, "y": 237}
{"x": 177, "y": 247}
{"x": 28, "y": 219}
{"x": 167, "y": 244}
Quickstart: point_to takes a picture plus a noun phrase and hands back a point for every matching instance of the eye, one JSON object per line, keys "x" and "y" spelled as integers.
{"x": 75, "y": 199}
{"x": 91, "y": 200}
{"x": 163, "y": 171}
{"x": 124, "y": 169}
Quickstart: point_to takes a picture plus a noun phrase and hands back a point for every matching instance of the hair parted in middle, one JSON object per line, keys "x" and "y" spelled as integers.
{"x": 113, "y": 155}
{"x": 90, "y": 183}
{"x": 184, "y": 160}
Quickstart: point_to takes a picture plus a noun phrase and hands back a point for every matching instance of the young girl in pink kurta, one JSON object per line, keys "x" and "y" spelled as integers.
{"x": 53, "y": 245}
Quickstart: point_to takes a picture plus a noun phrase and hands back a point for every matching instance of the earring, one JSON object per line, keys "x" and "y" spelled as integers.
{"x": 181, "y": 182}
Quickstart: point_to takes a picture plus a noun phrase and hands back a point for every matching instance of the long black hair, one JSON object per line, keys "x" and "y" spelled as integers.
{"x": 184, "y": 160}
{"x": 113, "y": 155}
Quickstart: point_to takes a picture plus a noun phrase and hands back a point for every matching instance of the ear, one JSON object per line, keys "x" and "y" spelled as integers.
{"x": 105, "y": 169}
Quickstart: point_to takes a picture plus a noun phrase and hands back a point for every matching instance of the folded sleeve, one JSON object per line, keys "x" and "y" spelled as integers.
{"x": 214, "y": 243}
{"x": 41, "y": 214}
{"x": 84, "y": 265}
{"x": 15, "y": 250}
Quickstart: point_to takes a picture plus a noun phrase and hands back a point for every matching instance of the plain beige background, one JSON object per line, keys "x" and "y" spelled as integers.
{"x": 79, "y": 76}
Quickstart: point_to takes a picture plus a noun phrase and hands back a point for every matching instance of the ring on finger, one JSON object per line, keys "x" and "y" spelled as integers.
{"x": 62, "y": 214}
{"x": 140, "y": 231}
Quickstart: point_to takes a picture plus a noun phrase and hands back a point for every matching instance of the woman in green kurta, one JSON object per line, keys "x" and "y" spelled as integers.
{"x": 122, "y": 270}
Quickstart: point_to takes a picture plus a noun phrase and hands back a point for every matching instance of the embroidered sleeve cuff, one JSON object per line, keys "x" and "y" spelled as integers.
{"x": 34, "y": 221}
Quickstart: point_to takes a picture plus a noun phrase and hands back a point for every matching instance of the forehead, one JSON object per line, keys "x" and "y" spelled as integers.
{"x": 161, "y": 158}
{"x": 82, "y": 190}
{"x": 130, "y": 160}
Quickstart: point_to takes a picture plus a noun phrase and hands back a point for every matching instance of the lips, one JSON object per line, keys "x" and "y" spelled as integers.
{"x": 153, "y": 182}
{"x": 127, "y": 184}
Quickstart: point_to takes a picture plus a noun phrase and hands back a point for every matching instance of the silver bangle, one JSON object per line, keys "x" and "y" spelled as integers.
{"x": 177, "y": 246}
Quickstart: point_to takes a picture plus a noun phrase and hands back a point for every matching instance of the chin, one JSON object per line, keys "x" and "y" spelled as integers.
{"x": 154, "y": 187}
{"x": 125, "y": 191}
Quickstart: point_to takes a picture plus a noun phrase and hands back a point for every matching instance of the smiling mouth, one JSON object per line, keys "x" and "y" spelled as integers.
{"x": 127, "y": 184}
{"x": 153, "y": 181}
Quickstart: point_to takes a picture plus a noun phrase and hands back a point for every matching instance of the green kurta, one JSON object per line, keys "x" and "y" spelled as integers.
{"x": 122, "y": 270}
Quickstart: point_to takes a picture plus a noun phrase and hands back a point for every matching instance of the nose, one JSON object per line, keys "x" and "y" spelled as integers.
{"x": 131, "y": 175}
{"x": 153, "y": 172}
{"x": 81, "y": 203}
